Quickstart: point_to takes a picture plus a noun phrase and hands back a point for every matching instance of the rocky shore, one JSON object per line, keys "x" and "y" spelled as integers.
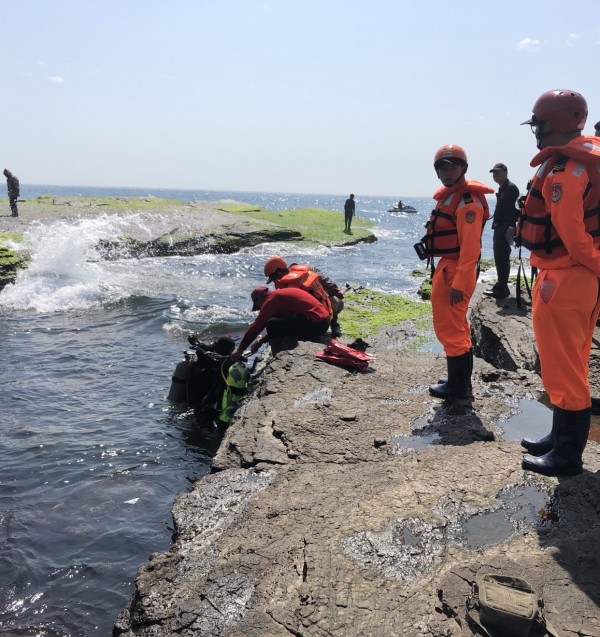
{"x": 344, "y": 504}
{"x": 151, "y": 227}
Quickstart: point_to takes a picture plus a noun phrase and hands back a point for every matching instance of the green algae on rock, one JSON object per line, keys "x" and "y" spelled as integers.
{"x": 10, "y": 261}
{"x": 316, "y": 225}
{"x": 367, "y": 311}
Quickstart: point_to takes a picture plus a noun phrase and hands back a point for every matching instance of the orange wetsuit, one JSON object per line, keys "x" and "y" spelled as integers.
{"x": 566, "y": 293}
{"x": 458, "y": 270}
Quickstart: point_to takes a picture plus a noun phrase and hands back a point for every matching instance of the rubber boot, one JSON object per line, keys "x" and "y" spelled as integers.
{"x": 458, "y": 384}
{"x": 336, "y": 330}
{"x": 282, "y": 343}
{"x": 542, "y": 445}
{"x": 571, "y": 429}
{"x": 443, "y": 381}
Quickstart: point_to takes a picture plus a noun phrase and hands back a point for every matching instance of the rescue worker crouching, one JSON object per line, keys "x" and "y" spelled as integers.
{"x": 288, "y": 315}
{"x": 560, "y": 225}
{"x": 454, "y": 234}
{"x": 301, "y": 276}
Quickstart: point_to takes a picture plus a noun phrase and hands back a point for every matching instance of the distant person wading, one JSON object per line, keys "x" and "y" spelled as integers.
{"x": 12, "y": 185}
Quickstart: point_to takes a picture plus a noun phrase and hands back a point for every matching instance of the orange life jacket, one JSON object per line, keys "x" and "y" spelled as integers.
{"x": 301, "y": 276}
{"x": 536, "y": 231}
{"x": 442, "y": 236}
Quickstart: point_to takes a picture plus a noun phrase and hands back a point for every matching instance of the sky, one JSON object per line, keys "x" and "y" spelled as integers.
{"x": 292, "y": 96}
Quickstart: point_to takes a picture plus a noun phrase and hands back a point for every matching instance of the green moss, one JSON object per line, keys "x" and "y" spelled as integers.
{"x": 315, "y": 224}
{"x": 366, "y": 312}
{"x": 424, "y": 290}
{"x": 10, "y": 236}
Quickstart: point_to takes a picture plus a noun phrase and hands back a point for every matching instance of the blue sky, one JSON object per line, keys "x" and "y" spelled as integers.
{"x": 323, "y": 96}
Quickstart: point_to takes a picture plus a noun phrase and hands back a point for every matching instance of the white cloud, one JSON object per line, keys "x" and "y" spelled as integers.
{"x": 572, "y": 37}
{"x": 56, "y": 78}
{"x": 41, "y": 63}
{"x": 528, "y": 43}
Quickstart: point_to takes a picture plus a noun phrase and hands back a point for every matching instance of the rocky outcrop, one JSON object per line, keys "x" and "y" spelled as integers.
{"x": 353, "y": 504}
{"x": 503, "y": 336}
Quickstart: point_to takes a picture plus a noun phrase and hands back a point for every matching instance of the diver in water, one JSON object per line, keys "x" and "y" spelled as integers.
{"x": 199, "y": 381}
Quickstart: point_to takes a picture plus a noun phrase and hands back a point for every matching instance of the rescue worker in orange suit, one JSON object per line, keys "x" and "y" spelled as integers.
{"x": 560, "y": 226}
{"x": 301, "y": 276}
{"x": 454, "y": 234}
{"x": 288, "y": 315}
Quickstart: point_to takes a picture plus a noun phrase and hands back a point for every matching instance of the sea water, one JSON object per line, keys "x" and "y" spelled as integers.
{"x": 92, "y": 454}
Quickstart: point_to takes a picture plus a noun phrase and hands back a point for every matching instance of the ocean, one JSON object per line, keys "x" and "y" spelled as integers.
{"x": 93, "y": 454}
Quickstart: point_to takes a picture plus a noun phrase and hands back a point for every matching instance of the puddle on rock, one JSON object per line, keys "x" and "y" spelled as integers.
{"x": 519, "y": 507}
{"x": 322, "y": 396}
{"x": 532, "y": 420}
{"x": 407, "y": 548}
{"x": 426, "y": 436}
{"x": 416, "y": 443}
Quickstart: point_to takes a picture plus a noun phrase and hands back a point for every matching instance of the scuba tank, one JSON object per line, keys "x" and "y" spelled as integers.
{"x": 236, "y": 385}
{"x": 178, "y": 391}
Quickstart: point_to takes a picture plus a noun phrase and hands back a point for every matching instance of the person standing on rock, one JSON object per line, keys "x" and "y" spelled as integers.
{"x": 288, "y": 315}
{"x": 349, "y": 210}
{"x": 561, "y": 227}
{"x": 12, "y": 185}
{"x": 503, "y": 225}
{"x": 454, "y": 234}
{"x": 301, "y": 276}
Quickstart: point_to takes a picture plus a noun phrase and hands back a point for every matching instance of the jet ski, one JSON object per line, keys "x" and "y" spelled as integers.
{"x": 404, "y": 208}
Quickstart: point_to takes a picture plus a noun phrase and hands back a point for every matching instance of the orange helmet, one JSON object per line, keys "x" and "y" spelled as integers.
{"x": 559, "y": 111}
{"x": 273, "y": 264}
{"x": 452, "y": 154}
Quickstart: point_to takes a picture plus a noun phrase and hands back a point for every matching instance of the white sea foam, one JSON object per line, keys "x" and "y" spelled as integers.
{"x": 64, "y": 272}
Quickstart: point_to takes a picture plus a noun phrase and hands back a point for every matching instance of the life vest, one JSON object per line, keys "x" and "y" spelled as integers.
{"x": 536, "y": 231}
{"x": 442, "y": 234}
{"x": 345, "y": 356}
{"x": 236, "y": 386}
{"x": 301, "y": 276}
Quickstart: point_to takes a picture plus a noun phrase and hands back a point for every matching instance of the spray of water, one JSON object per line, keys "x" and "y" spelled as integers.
{"x": 64, "y": 272}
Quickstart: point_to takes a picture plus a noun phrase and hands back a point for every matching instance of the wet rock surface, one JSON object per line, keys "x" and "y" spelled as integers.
{"x": 355, "y": 504}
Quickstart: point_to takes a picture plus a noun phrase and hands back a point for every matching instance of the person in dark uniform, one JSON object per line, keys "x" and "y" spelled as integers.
{"x": 597, "y": 129}
{"x": 505, "y": 220}
{"x": 349, "y": 209}
{"x": 12, "y": 184}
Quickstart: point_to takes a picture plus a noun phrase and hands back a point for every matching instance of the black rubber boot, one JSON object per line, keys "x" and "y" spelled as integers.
{"x": 458, "y": 384}
{"x": 336, "y": 330}
{"x": 571, "y": 429}
{"x": 542, "y": 445}
{"x": 498, "y": 291}
{"x": 443, "y": 381}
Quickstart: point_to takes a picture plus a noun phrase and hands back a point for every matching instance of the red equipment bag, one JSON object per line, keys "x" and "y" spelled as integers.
{"x": 345, "y": 356}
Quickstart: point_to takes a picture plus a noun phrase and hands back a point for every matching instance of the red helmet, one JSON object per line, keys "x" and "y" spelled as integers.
{"x": 452, "y": 154}
{"x": 559, "y": 111}
{"x": 273, "y": 264}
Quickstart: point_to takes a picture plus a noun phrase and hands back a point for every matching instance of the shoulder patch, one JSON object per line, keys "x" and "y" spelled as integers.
{"x": 467, "y": 197}
{"x": 560, "y": 164}
{"x": 556, "y": 193}
{"x": 470, "y": 216}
